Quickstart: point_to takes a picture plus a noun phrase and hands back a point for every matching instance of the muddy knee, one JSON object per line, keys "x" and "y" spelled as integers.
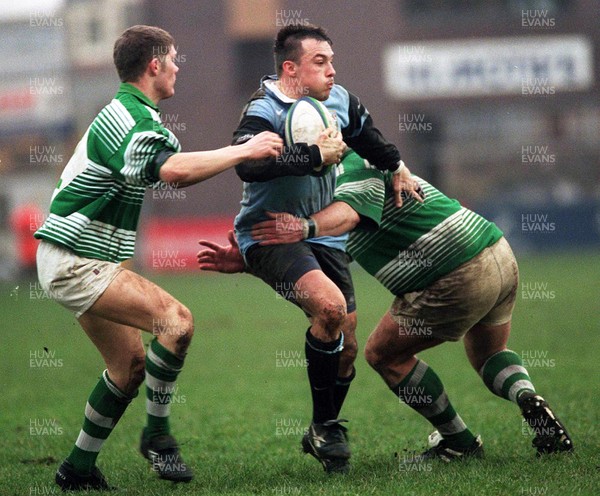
{"x": 331, "y": 316}
{"x": 176, "y": 329}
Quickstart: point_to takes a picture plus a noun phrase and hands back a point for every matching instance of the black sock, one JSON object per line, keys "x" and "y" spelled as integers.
{"x": 342, "y": 384}
{"x": 323, "y": 361}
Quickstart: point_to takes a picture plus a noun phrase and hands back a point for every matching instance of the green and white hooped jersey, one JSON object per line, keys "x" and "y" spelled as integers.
{"x": 96, "y": 205}
{"x": 406, "y": 249}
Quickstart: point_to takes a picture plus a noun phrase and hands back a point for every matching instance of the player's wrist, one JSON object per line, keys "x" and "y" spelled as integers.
{"x": 319, "y": 158}
{"x": 304, "y": 223}
{"x": 244, "y": 150}
{"x": 310, "y": 228}
{"x": 314, "y": 160}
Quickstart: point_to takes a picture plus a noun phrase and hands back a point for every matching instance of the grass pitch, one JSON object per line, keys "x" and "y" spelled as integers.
{"x": 243, "y": 400}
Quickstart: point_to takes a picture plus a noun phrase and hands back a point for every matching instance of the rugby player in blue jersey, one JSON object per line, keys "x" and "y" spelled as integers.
{"x": 314, "y": 273}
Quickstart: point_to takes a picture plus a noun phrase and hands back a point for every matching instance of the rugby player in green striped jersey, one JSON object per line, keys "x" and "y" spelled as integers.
{"x": 453, "y": 276}
{"x": 91, "y": 228}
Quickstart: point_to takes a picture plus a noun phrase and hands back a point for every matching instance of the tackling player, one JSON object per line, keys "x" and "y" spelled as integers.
{"x": 313, "y": 274}
{"x": 92, "y": 228}
{"x": 453, "y": 276}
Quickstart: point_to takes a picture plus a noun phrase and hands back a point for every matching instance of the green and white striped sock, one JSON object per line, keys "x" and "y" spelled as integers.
{"x": 424, "y": 392}
{"x": 103, "y": 410}
{"x": 504, "y": 375}
{"x": 162, "y": 369}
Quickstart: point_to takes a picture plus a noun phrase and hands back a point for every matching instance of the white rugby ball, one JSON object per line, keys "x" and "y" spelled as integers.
{"x": 306, "y": 119}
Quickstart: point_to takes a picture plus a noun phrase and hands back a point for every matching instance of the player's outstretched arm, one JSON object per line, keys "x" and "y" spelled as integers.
{"x": 217, "y": 258}
{"x": 188, "y": 168}
{"x": 334, "y": 220}
{"x": 297, "y": 160}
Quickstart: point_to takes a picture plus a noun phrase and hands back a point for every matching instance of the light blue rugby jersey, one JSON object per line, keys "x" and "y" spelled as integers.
{"x": 298, "y": 195}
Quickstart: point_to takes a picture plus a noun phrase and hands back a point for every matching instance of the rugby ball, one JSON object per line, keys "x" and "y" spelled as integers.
{"x": 305, "y": 120}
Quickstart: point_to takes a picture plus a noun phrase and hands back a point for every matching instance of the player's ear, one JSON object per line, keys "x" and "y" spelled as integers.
{"x": 154, "y": 66}
{"x": 289, "y": 68}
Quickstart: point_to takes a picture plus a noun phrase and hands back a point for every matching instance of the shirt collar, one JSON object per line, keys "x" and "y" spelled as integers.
{"x": 270, "y": 84}
{"x": 132, "y": 90}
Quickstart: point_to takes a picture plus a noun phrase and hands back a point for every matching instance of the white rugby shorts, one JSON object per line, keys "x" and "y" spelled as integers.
{"x": 73, "y": 281}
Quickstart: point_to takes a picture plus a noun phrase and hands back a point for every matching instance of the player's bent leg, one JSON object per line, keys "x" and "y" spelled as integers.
{"x": 320, "y": 298}
{"x": 391, "y": 351}
{"x": 317, "y": 279}
{"x": 346, "y": 374}
{"x": 132, "y": 300}
{"x": 324, "y": 302}
{"x": 123, "y": 352}
{"x": 334, "y": 264}
{"x": 503, "y": 373}
{"x": 121, "y": 348}
{"x": 482, "y": 341}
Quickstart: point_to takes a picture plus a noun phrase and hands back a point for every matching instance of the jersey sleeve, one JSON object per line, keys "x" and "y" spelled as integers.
{"x": 148, "y": 149}
{"x": 135, "y": 158}
{"x": 365, "y": 139}
{"x": 298, "y": 160}
{"x": 361, "y": 186}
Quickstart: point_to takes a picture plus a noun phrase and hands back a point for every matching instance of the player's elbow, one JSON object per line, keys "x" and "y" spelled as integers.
{"x": 244, "y": 172}
{"x": 347, "y": 217}
{"x": 352, "y": 219}
{"x": 251, "y": 171}
{"x": 172, "y": 172}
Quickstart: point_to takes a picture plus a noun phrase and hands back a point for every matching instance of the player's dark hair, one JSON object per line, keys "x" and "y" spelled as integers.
{"x": 288, "y": 44}
{"x": 136, "y": 47}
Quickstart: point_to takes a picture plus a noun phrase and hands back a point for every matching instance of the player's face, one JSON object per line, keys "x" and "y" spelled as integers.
{"x": 167, "y": 74}
{"x": 315, "y": 70}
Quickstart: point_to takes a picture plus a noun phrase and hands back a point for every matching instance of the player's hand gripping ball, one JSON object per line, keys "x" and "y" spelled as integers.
{"x": 306, "y": 119}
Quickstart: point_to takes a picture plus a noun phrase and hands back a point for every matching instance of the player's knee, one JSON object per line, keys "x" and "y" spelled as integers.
{"x": 371, "y": 356}
{"x": 178, "y": 322}
{"x": 331, "y": 316}
{"x": 186, "y": 320}
{"x": 375, "y": 356}
{"x": 185, "y": 332}
{"x": 176, "y": 329}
